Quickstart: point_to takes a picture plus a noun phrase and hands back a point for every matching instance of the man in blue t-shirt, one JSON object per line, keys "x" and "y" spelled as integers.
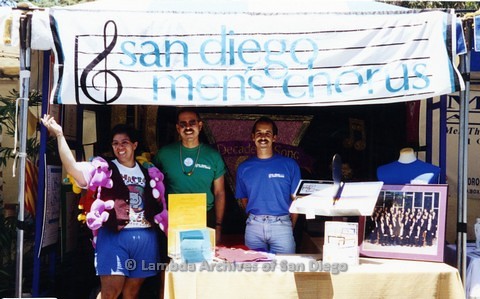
{"x": 265, "y": 185}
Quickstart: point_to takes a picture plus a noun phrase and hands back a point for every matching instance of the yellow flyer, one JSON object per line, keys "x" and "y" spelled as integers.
{"x": 185, "y": 211}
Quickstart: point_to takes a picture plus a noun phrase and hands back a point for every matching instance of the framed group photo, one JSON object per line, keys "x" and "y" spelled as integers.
{"x": 408, "y": 222}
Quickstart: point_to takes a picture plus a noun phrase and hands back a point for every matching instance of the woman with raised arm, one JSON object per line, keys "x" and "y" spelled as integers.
{"x": 122, "y": 216}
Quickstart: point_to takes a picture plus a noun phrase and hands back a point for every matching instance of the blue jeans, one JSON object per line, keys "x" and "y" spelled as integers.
{"x": 270, "y": 233}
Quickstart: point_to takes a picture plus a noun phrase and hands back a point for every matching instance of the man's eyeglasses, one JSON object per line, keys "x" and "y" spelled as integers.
{"x": 190, "y": 123}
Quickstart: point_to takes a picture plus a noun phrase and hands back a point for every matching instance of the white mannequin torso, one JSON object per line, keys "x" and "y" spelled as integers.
{"x": 407, "y": 155}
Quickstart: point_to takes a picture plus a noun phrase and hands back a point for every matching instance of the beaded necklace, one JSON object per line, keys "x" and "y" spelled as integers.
{"x": 188, "y": 160}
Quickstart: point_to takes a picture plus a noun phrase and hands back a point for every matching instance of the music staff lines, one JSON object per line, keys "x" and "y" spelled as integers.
{"x": 262, "y": 51}
{"x": 251, "y": 69}
{"x": 330, "y": 84}
{"x": 268, "y": 34}
{"x": 181, "y": 87}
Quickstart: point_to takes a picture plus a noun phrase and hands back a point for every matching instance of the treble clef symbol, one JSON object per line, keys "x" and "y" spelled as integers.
{"x": 106, "y": 72}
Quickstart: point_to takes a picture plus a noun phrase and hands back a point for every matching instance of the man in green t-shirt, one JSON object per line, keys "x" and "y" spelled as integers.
{"x": 193, "y": 167}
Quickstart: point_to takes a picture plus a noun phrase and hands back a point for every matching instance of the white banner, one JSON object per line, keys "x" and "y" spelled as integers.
{"x": 232, "y": 59}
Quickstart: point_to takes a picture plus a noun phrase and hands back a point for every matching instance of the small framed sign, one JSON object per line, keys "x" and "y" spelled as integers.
{"x": 307, "y": 187}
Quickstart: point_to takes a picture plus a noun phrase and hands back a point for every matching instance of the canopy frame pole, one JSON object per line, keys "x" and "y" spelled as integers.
{"x": 25, "y": 64}
{"x": 463, "y": 158}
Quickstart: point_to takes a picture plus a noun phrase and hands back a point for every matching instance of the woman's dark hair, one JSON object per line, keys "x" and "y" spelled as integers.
{"x": 128, "y": 130}
{"x": 267, "y": 120}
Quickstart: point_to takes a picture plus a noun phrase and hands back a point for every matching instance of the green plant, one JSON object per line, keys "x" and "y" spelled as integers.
{"x": 7, "y": 122}
{"x": 7, "y": 253}
{"x": 8, "y": 247}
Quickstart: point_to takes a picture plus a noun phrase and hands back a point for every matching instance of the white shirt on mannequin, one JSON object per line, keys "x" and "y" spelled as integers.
{"x": 407, "y": 155}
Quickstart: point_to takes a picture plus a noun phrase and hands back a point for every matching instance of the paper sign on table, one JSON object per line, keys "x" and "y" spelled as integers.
{"x": 341, "y": 243}
{"x": 185, "y": 211}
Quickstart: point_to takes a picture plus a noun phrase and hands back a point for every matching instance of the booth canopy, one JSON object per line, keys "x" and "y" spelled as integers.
{"x": 242, "y": 53}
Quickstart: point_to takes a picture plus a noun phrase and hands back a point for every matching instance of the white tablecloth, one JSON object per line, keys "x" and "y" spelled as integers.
{"x": 373, "y": 278}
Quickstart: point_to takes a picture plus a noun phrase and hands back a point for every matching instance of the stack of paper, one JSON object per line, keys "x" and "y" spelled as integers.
{"x": 240, "y": 255}
{"x": 195, "y": 246}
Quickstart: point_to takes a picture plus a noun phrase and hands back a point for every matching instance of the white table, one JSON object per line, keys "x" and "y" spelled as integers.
{"x": 373, "y": 278}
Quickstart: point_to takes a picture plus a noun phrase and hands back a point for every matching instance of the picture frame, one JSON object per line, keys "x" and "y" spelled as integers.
{"x": 408, "y": 222}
